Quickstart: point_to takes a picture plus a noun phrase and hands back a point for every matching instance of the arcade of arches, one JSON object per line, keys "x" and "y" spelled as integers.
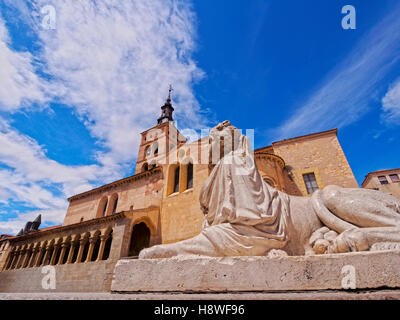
{"x": 78, "y": 248}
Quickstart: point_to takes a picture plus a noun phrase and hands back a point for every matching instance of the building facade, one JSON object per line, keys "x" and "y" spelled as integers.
{"x": 387, "y": 181}
{"x": 157, "y": 205}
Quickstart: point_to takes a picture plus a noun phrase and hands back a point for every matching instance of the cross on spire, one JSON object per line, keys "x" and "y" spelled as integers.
{"x": 169, "y": 92}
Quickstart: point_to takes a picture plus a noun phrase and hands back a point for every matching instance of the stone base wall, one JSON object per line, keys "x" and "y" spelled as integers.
{"x": 80, "y": 277}
{"x": 358, "y": 270}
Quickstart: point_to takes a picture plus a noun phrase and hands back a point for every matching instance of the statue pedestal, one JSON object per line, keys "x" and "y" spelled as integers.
{"x": 360, "y": 270}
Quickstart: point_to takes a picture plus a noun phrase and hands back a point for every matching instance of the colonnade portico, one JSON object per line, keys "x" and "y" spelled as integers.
{"x": 85, "y": 248}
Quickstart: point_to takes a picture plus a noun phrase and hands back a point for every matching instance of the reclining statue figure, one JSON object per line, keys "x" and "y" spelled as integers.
{"x": 244, "y": 216}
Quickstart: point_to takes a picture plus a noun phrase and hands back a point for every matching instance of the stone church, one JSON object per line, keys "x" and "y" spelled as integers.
{"x": 158, "y": 204}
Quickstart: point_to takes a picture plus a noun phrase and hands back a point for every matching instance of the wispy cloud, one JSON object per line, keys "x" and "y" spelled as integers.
{"x": 391, "y": 104}
{"x": 345, "y": 94}
{"x": 20, "y": 86}
{"x": 111, "y": 62}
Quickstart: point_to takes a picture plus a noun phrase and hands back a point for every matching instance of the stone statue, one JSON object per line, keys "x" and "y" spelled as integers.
{"x": 244, "y": 216}
{"x": 31, "y": 226}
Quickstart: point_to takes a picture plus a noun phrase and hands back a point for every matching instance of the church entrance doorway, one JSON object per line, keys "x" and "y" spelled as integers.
{"x": 140, "y": 239}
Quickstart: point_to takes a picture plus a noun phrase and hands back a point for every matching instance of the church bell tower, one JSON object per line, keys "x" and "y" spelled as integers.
{"x": 158, "y": 141}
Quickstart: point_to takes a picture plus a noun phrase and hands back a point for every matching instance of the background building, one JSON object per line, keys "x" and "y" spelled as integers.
{"x": 387, "y": 181}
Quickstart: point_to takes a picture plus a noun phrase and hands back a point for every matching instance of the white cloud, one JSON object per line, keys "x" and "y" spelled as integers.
{"x": 14, "y": 225}
{"x": 111, "y": 61}
{"x": 344, "y": 96}
{"x": 38, "y": 182}
{"x": 19, "y": 84}
{"x": 391, "y": 104}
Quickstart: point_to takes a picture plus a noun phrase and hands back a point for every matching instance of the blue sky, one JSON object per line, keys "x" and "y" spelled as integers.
{"x": 74, "y": 99}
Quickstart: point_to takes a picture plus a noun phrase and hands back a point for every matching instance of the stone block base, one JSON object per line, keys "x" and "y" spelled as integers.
{"x": 360, "y": 270}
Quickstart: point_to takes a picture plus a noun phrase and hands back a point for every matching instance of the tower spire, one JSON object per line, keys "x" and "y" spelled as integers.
{"x": 169, "y": 93}
{"x": 166, "y": 109}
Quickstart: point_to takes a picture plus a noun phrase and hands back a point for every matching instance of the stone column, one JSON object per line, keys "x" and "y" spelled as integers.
{"x": 32, "y": 259}
{"x": 26, "y": 258}
{"x": 92, "y": 242}
{"x": 54, "y": 255}
{"x": 20, "y": 256}
{"x": 46, "y": 254}
{"x": 62, "y": 254}
{"x": 39, "y": 256}
{"x": 103, "y": 239}
{"x": 82, "y": 243}
{"x": 11, "y": 261}
{"x": 71, "y": 252}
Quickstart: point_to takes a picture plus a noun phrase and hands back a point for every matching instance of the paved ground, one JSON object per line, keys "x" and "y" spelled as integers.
{"x": 311, "y": 295}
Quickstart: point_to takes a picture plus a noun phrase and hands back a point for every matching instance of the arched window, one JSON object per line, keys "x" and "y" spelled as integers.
{"x": 145, "y": 167}
{"x": 155, "y": 148}
{"x": 176, "y": 179}
{"x": 112, "y": 207}
{"x": 147, "y": 151}
{"x": 115, "y": 205}
{"x": 140, "y": 239}
{"x": 101, "y": 210}
{"x": 189, "y": 181}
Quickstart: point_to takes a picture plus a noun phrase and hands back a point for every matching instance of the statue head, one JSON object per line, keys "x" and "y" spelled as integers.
{"x": 224, "y": 138}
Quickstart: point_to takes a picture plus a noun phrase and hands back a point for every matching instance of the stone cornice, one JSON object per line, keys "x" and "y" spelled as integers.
{"x": 116, "y": 183}
{"x": 306, "y": 137}
{"x": 273, "y": 157}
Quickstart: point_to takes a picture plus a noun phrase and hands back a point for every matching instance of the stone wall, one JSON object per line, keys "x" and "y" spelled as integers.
{"x": 320, "y": 154}
{"x": 181, "y": 217}
{"x": 141, "y": 191}
{"x": 82, "y": 277}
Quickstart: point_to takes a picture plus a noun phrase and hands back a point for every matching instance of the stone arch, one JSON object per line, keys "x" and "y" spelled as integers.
{"x": 74, "y": 254}
{"x": 35, "y": 255}
{"x": 270, "y": 181}
{"x": 86, "y": 246}
{"x": 140, "y": 238}
{"x": 101, "y": 209}
{"x": 145, "y": 167}
{"x": 42, "y": 252}
{"x": 96, "y": 245}
{"x": 28, "y": 255}
{"x": 67, "y": 244}
{"x": 49, "y": 252}
{"x": 107, "y": 246}
{"x": 57, "y": 251}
